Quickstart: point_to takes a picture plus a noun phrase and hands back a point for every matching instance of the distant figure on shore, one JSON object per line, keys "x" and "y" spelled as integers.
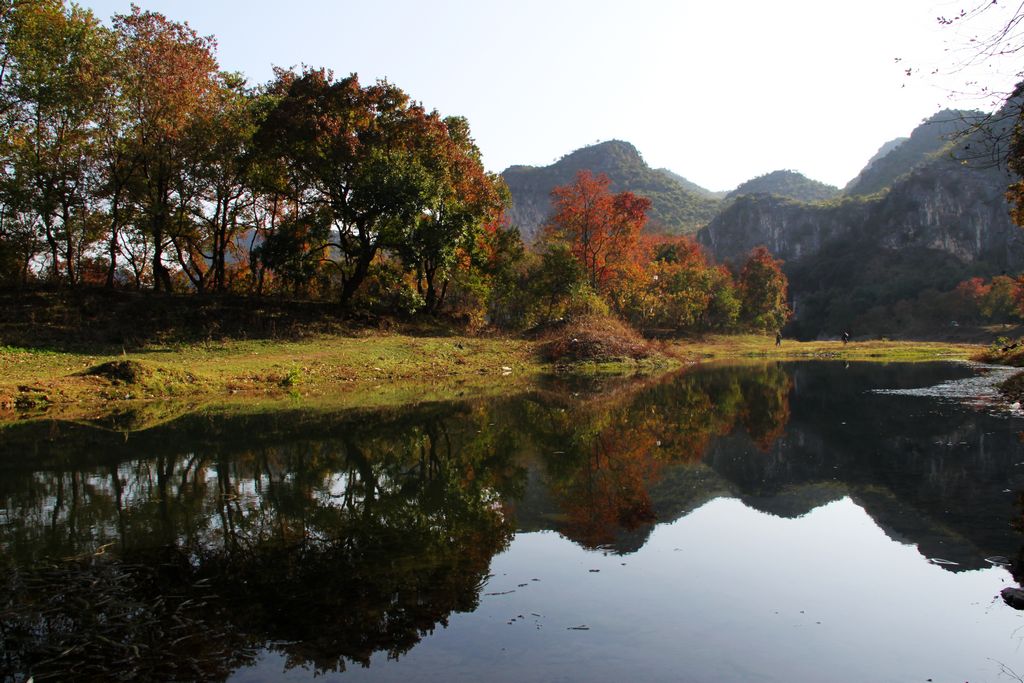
{"x": 778, "y": 338}
{"x": 846, "y": 337}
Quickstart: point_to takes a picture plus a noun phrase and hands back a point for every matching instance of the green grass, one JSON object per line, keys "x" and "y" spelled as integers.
{"x": 369, "y": 368}
{"x": 757, "y": 346}
{"x": 329, "y": 365}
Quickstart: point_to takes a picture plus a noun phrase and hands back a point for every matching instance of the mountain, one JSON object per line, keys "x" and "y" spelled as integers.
{"x": 896, "y": 158}
{"x": 692, "y": 186}
{"x": 882, "y": 151}
{"x": 789, "y": 184}
{"x": 674, "y": 208}
{"x": 879, "y": 263}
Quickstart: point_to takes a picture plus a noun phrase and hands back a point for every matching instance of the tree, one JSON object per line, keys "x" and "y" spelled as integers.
{"x": 55, "y": 79}
{"x": 601, "y": 228}
{"x": 1000, "y": 303}
{"x": 763, "y": 287}
{"x": 462, "y": 199}
{"x": 168, "y": 77}
{"x": 678, "y": 289}
{"x": 350, "y": 154}
{"x": 217, "y": 187}
{"x": 557, "y": 275}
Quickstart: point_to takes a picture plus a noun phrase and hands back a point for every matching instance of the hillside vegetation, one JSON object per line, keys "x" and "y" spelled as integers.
{"x": 788, "y": 184}
{"x": 674, "y": 208}
{"x": 934, "y": 136}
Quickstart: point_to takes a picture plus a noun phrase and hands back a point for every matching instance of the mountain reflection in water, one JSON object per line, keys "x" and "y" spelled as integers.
{"x": 216, "y": 543}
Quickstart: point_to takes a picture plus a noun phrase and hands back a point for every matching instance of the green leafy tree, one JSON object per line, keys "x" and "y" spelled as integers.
{"x": 349, "y": 152}
{"x": 217, "y": 187}
{"x": 55, "y": 80}
{"x": 557, "y": 276}
{"x": 462, "y": 198}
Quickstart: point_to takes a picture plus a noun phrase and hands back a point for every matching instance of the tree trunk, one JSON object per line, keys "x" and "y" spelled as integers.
{"x": 112, "y": 246}
{"x": 430, "y": 299}
{"x": 359, "y": 274}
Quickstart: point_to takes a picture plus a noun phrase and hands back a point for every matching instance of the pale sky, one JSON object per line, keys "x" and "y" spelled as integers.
{"x": 718, "y": 92}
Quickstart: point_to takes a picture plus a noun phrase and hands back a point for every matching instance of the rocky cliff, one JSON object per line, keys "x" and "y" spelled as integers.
{"x": 937, "y": 135}
{"x": 945, "y": 206}
{"x": 874, "y": 261}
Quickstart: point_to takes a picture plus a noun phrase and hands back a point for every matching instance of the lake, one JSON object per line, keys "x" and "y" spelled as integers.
{"x": 815, "y": 521}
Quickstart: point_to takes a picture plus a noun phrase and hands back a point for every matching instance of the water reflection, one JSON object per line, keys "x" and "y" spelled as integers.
{"x": 326, "y": 546}
{"x": 192, "y": 548}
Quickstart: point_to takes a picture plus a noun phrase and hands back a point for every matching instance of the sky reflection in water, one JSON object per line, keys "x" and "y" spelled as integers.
{"x": 728, "y": 594}
{"x": 764, "y": 522}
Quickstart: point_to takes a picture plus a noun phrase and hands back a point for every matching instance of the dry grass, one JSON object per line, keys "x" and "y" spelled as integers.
{"x": 593, "y": 338}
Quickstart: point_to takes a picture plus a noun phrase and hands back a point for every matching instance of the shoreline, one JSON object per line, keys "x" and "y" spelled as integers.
{"x": 365, "y": 368}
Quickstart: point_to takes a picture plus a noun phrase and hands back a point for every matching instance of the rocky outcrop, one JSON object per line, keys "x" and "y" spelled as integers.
{"x": 791, "y": 230}
{"x": 945, "y": 206}
{"x": 954, "y": 209}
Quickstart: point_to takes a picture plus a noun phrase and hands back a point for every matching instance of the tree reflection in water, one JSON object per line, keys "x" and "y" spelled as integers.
{"x": 602, "y": 455}
{"x": 325, "y": 550}
{"x": 181, "y": 551}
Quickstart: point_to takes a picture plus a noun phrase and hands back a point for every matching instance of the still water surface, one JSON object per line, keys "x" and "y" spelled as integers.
{"x": 781, "y": 522}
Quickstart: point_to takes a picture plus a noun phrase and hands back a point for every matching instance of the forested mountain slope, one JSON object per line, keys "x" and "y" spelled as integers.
{"x": 674, "y": 208}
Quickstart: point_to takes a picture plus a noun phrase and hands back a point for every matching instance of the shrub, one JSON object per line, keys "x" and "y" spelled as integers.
{"x": 592, "y": 337}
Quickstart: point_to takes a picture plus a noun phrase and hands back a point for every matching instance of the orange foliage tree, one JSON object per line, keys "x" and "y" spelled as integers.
{"x": 602, "y": 229}
{"x": 679, "y": 288}
{"x": 763, "y": 289}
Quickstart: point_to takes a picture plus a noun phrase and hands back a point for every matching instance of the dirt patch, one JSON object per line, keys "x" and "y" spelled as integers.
{"x": 1013, "y": 388}
{"x": 124, "y": 371}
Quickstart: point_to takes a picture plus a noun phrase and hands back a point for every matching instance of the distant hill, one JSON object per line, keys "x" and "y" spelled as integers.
{"x": 882, "y": 151}
{"x": 899, "y": 157}
{"x": 692, "y": 186}
{"x": 788, "y": 184}
{"x": 674, "y": 208}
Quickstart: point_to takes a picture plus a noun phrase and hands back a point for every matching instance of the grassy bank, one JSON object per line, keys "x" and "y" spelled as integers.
{"x": 88, "y": 354}
{"x": 369, "y": 363}
{"x": 362, "y": 368}
{"x": 726, "y": 347}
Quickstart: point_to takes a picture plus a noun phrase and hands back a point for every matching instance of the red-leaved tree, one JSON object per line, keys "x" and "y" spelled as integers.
{"x": 601, "y": 228}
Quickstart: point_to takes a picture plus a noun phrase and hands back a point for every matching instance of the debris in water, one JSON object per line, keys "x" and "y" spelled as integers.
{"x": 982, "y": 388}
{"x": 1014, "y": 597}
